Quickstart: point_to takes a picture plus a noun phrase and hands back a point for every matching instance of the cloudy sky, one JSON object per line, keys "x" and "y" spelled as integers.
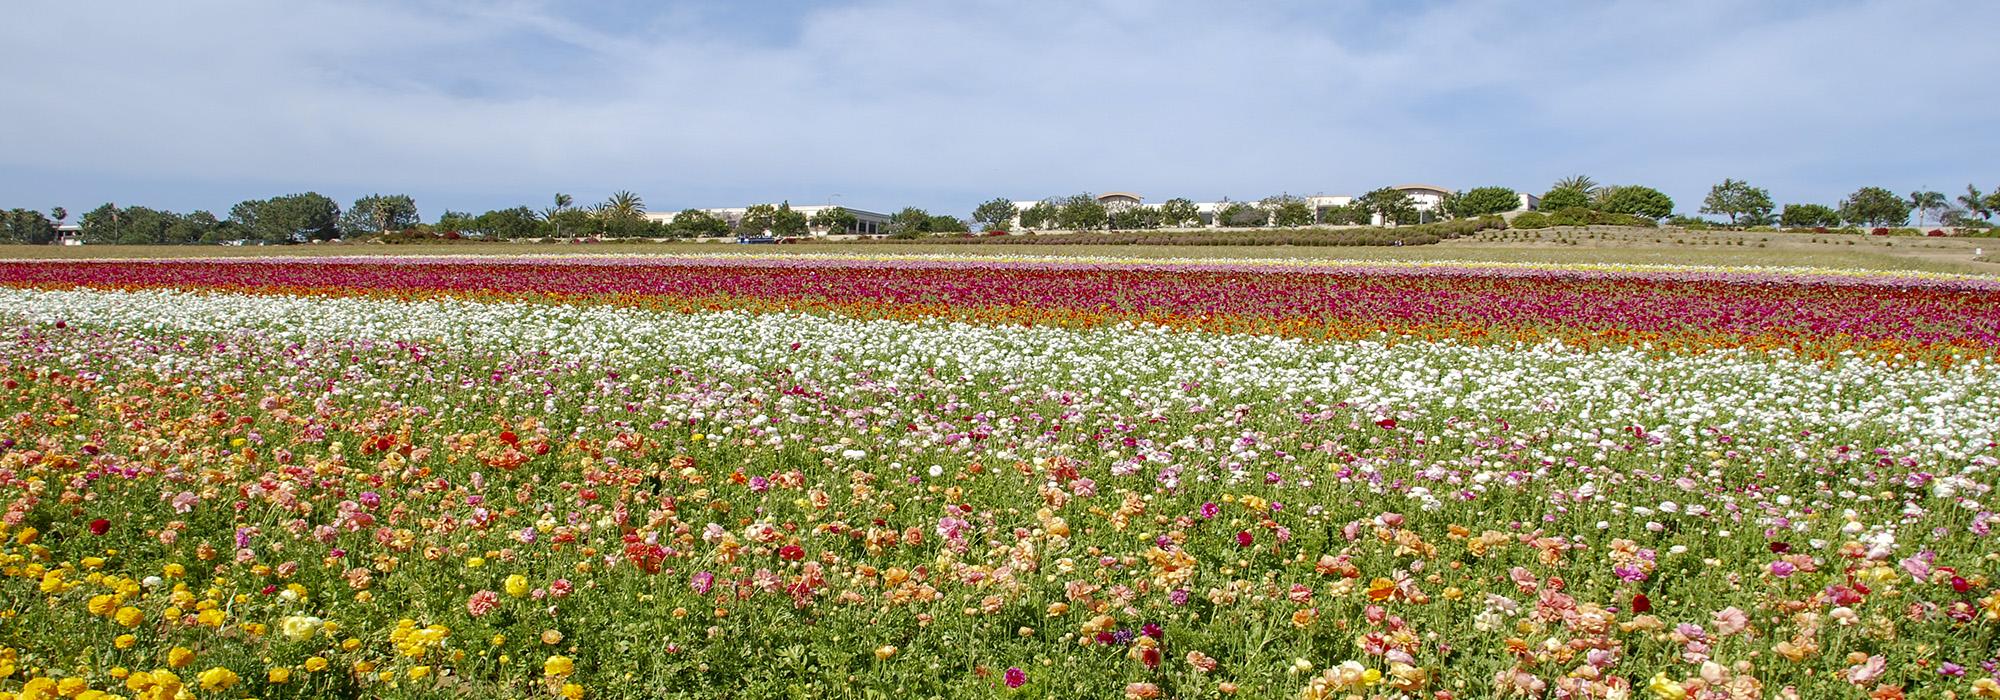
{"x": 880, "y": 104}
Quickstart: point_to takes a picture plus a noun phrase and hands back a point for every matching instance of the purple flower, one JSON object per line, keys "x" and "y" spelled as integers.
{"x": 702, "y": 581}
{"x": 1152, "y": 630}
{"x": 1209, "y": 510}
{"x": 1016, "y": 677}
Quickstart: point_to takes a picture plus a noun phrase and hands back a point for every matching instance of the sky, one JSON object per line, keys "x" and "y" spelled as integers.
{"x": 882, "y": 104}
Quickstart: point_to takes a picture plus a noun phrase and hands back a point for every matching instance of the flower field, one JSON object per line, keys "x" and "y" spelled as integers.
{"x": 958, "y": 477}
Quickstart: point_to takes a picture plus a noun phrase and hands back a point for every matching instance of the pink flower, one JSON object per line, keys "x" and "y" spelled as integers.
{"x": 482, "y": 602}
{"x": 1730, "y": 620}
{"x": 1016, "y": 677}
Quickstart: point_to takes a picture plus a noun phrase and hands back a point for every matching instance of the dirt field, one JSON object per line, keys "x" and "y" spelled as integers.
{"x": 1602, "y": 245}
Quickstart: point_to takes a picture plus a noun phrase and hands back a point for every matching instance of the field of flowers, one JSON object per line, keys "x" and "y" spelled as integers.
{"x": 918, "y": 476}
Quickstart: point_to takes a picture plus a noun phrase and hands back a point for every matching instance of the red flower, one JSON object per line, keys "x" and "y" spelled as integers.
{"x": 1244, "y": 539}
{"x": 508, "y": 436}
{"x": 1386, "y": 424}
{"x": 1959, "y": 584}
{"x": 100, "y": 526}
{"x": 791, "y": 552}
{"x": 1641, "y": 604}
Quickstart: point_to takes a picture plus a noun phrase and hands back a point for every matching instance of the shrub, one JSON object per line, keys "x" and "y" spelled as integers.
{"x": 1878, "y": 231}
{"x": 1570, "y": 216}
{"x": 1531, "y": 220}
{"x": 1936, "y": 233}
{"x": 1314, "y": 236}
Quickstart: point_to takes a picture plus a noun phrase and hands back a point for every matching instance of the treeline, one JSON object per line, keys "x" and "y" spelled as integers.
{"x": 310, "y": 216}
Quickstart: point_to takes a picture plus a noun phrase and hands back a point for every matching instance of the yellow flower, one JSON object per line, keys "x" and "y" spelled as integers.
{"x": 173, "y": 570}
{"x": 1665, "y": 688}
{"x": 27, "y": 535}
{"x": 209, "y": 618}
{"x": 71, "y": 687}
{"x": 558, "y": 667}
{"x": 419, "y": 672}
{"x": 552, "y": 637}
{"x": 1985, "y": 688}
{"x": 180, "y": 657}
{"x": 38, "y": 688}
{"x": 885, "y": 651}
{"x": 129, "y": 616}
{"x": 516, "y": 585}
{"x": 139, "y": 681}
{"x": 572, "y": 691}
{"x": 279, "y": 676}
{"x": 101, "y": 605}
{"x": 475, "y": 562}
{"x": 125, "y": 641}
{"x": 218, "y": 679}
{"x": 316, "y": 664}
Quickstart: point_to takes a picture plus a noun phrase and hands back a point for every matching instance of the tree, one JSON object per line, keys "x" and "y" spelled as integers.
{"x": 1240, "y": 215}
{"x": 1736, "y": 198}
{"x": 456, "y": 222}
{"x": 26, "y": 226}
{"x": 1637, "y": 200}
{"x": 996, "y": 214}
{"x": 623, "y": 205}
{"x": 293, "y": 218}
{"x": 1040, "y": 215}
{"x": 757, "y": 220}
{"x": 1875, "y": 206}
{"x": 1993, "y": 201}
{"x": 103, "y": 224}
{"x": 834, "y": 220}
{"x": 1580, "y": 183}
{"x": 787, "y": 221}
{"x": 1808, "y": 216}
{"x": 1135, "y": 218}
{"x": 1179, "y": 212}
{"x": 1560, "y": 198}
{"x": 909, "y": 222}
{"x": 1481, "y": 201}
{"x": 59, "y": 214}
{"x": 695, "y": 223}
{"x": 377, "y": 213}
{"x": 1082, "y": 212}
{"x": 1926, "y": 202}
{"x": 554, "y": 215}
{"x": 1393, "y": 205}
{"x": 945, "y": 223}
{"x": 196, "y": 227}
{"x": 508, "y": 224}
{"x": 1978, "y": 204}
{"x": 1287, "y": 210}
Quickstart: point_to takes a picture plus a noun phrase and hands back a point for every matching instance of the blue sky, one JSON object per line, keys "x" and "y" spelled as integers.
{"x": 474, "y": 105}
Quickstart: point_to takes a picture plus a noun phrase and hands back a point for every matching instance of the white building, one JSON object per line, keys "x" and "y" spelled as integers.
{"x": 865, "y": 222}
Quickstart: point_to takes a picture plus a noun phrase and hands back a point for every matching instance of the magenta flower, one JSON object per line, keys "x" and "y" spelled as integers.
{"x": 1016, "y": 677}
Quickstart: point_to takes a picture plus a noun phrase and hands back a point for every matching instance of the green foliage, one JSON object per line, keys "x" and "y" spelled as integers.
{"x": 695, "y": 223}
{"x": 1082, "y": 212}
{"x": 1737, "y": 199}
{"x": 1287, "y": 210}
{"x": 26, "y": 226}
{"x": 1481, "y": 201}
{"x": 1350, "y": 214}
{"x": 456, "y": 222}
{"x": 1581, "y": 183}
{"x": 1570, "y": 216}
{"x": 945, "y": 223}
{"x": 1637, "y": 200}
{"x": 787, "y": 221}
{"x": 1809, "y": 216}
{"x": 1927, "y": 202}
{"x": 1873, "y": 207}
{"x": 1042, "y": 214}
{"x": 1179, "y": 212}
{"x": 911, "y": 221}
{"x": 1976, "y": 204}
{"x": 507, "y": 224}
{"x": 294, "y": 218}
{"x": 1241, "y": 215}
{"x": 757, "y": 220}
{"x": 995, "y": 214}
{"x": 834, "y": 220}
{"x": 1394, "y": 206}
{"x": 1561, "y": 197}
{"x": 1530, "y": 220}
{"x": 1135, "y": 218}
{"x": 378, "y": 213}
{"x": 1407, "y": 235}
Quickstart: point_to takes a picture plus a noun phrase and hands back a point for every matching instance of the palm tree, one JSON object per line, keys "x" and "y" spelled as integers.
{"x": 1975, "y": 202}
{"x": 1927, "y": 202}
{"x": 1582, "y": 183}
{"x": 60, "y": 214}
{"x": 562, "y": 205}
{"x": 624, "y": 205}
